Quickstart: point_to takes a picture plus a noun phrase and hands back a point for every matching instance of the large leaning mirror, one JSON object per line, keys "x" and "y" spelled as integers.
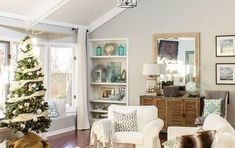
{"x": 179, "y": 52}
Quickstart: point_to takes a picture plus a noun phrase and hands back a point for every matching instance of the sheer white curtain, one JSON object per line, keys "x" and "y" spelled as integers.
{"x": 81, "y": 81}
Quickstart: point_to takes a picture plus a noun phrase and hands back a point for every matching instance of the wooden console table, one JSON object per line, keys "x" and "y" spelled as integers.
{"x": 174, "y": 111}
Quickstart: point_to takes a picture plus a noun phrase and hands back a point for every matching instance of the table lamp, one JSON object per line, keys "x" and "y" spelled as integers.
{"x": 152, "y": 71}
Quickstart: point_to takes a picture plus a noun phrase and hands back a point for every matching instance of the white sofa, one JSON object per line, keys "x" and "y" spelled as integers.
{"x": 225, "y": 134}
{"x": 148, "y": 124}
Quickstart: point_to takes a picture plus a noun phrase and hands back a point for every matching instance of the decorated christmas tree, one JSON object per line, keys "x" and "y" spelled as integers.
{"x": 26, "y": 109}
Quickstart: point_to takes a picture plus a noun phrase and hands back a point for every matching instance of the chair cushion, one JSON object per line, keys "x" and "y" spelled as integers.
{"x": 125, "y": 122}
{"x": 224, "y": 140}
{"x": 129, "y": 137}
{"x": 202, "y": 139}
{"x": 212, "y": 107}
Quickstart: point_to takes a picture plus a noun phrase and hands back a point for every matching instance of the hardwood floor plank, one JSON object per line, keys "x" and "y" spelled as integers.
{"x": 81, "y": 139}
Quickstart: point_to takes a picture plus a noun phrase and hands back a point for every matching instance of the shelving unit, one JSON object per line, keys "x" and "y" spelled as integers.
{"x": 109, "y": 84}
{"x": 97, "y": 106}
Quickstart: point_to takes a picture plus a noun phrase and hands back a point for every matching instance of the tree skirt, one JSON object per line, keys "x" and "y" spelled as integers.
{"x": 30, "y": 140}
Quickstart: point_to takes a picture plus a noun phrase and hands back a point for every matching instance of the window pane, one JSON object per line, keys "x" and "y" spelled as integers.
{"x": 61, "y": 73}
{"x": 4, "y": 73}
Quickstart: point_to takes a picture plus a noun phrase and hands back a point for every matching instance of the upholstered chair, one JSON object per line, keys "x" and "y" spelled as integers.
{"x": 213, "y": 94}
{"x": 148, "y": 126}
{"x": 225, "y": 133}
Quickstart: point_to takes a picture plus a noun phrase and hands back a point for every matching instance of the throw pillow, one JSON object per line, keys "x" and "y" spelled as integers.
{"x": 60, "y": 106}
{"x": 200, "y": 139}
{"x": 125, "y": 122}
{"x": 52, "y": 111}
{"x": 212, "y": 106}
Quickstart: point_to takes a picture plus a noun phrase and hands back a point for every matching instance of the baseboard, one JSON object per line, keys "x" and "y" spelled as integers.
{"x": 61, "y": 131}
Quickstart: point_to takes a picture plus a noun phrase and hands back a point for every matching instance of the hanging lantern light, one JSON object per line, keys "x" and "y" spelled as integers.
{"x": 127, "y": 3}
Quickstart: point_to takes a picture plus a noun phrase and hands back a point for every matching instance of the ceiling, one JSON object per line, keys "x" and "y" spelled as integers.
{"x": 80, "y": 12}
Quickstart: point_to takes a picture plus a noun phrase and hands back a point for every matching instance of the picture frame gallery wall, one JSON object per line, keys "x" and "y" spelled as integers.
{"x": 225, "y": 47}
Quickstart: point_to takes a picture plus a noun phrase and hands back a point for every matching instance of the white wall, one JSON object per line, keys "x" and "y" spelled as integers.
{"x": 209, "y": 17}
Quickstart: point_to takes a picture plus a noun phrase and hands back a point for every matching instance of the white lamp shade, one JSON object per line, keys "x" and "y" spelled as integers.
{"x": 151, "y": 69}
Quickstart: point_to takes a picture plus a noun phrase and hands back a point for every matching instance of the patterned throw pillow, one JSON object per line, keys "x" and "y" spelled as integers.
{"x": 198, "y": 140}
{"x": 212, "y": 106}
{"x": 125, "y": 122}
{"x": 52, "y": 111}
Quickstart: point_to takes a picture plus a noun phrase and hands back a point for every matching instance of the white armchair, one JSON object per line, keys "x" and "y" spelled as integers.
{"x": 149, "y": 126}
{"x": 225, "y": 134}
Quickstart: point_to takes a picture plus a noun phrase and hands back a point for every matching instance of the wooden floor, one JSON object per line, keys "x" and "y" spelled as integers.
{"x": 78, "y": 139}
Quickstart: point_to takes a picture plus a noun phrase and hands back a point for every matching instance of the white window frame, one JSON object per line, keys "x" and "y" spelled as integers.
{"x": 61, "y": 45}
{"x": 46, "y": 46}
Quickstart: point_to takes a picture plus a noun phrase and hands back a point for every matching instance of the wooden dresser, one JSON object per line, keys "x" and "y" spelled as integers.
{"x": 174, "y": 111}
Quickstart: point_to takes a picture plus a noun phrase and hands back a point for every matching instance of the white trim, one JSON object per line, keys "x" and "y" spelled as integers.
{"x": 40, "y": 15}
{"x": 108, "y": 39}
{"x": 105, "y": 18}
{"x": 66, "y": 116}
{"x": 61, "y": 131}
{"x": 12, "y": 15}
{"x": 45, "y": 21}
{"x": 63, "y": 24}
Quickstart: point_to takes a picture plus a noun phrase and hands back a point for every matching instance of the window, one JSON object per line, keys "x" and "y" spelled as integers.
{"x": 57, "y": 61}
{"x": 61, "y": 69}
{"x": 4, "y": 73}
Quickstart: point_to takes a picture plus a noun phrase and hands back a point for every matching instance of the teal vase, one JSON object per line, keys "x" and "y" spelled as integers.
{"x": 121, "y": 50}
{"x": 98, "y": 50}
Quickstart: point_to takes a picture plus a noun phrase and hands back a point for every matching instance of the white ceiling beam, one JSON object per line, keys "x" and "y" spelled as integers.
{"x": 62, "y": 24}
{"x": 12, "y": 15}
{"x": 45, "y": 10}
{"x": 106, "y": 17}
{"x": 18, "y": 21}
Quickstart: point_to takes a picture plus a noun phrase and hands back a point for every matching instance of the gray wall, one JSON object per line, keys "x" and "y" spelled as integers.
{"x": 209, "y": 17}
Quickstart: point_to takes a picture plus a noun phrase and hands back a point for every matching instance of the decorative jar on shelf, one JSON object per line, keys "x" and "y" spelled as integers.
{"x": 121, "y": 50}
{"x": 98, "y": 50}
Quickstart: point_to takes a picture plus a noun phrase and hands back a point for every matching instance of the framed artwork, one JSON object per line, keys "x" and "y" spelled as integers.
{"x": 106, "y": 92}
{"x": 225, "y": 73}
{"x": 168, "y": 49}
{"x": 225, "y": 45}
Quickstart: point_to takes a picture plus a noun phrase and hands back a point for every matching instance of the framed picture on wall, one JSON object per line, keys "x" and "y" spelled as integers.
{"x": 225, "y": 45}
{"x": 225, "y": 73}
{"x": 168, "y": 49}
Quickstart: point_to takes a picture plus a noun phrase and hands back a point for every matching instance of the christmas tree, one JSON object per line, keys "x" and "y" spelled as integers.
{"x": 26, "y": 109}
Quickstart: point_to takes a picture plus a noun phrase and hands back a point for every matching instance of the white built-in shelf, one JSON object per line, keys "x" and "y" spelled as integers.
{"x": 96, "y": 104}
{"x": 110, "y": 84}
{"x": 108, "y": 101}
{"x": 98, "y": 111}
{"x": 108, "y": 57}
{"x": 108, "y": 39}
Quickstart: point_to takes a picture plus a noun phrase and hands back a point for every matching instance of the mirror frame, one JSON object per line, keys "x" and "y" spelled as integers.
{"x": 195, "y": 35}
